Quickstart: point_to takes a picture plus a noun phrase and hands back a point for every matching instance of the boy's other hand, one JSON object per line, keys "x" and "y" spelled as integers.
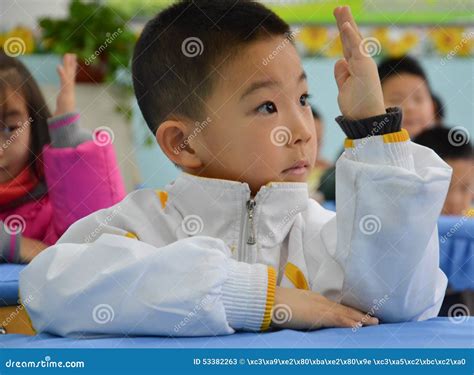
{"x": 360, "y": 92}
{"x": 307, "y": 310}
{"x": 66, "y": 100}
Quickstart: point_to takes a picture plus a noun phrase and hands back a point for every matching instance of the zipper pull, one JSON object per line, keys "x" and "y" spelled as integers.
{"x": 250, "y": 208}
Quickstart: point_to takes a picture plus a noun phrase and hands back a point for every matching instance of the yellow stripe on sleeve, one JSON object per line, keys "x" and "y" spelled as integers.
{"x": 267, "y": 316}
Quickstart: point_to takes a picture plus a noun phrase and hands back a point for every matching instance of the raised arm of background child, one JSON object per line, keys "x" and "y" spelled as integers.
{"x": 82, "y": 173}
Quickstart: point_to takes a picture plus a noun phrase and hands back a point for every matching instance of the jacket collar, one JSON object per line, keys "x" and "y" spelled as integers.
{"x": 218, "y": 208}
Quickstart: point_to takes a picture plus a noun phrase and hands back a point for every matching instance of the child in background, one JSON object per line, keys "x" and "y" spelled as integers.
{"x": 52, "y": 173}
{"x": 405, "y": 85}
{"x": 439, "y": 110}
{"x": 453, "y": 146}
{"x": 234, "y": 243}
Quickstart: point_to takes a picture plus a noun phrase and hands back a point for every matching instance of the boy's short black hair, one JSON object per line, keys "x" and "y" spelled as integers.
{"x": 176, "y": 56}
{"x": 449, "y": 143}
{"x": 395, "y": 66}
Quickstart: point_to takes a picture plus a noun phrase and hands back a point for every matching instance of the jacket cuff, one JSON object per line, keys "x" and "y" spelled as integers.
{"x": 9, "y": 245}
{"x": 61, "y": 121}
{"x": 248, "y": 295}
{"x": 389, "y": 149}
{"x": 385, "y": 123}
{"x": 65, "y": 132}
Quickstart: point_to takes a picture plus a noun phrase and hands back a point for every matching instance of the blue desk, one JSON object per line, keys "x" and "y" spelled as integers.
{"x": 9, "y": 274}
{"x": 434, "y": 333}
{"x": 456, "y": 258}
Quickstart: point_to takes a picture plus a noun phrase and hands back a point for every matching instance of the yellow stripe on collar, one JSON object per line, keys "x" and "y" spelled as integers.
{"x": 163, "y": 195}
{"x": 296, "y": 276}
{"x": 131, "y": 235}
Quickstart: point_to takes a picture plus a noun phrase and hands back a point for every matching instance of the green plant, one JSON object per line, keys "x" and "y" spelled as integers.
{"x": 96, "y": 33}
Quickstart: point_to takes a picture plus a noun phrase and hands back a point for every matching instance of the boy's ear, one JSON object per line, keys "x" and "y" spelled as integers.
{"x": 172, "y": 136}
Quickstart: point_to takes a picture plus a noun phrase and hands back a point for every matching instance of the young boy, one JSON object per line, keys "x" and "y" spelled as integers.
{"x": 452, "y": 145}
{"x": 234, "y": 243}
{"x": 405, "y": 85}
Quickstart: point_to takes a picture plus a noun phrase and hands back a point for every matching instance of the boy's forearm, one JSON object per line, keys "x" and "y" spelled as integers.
{"x": 171, "y": 296}
{"x": 392, "y": 192}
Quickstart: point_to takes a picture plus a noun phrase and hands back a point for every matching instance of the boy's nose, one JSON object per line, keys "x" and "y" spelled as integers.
{"x": 301, "y": 131}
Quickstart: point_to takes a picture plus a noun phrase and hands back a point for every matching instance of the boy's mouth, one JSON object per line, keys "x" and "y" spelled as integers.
{"x": 300, "y": 167}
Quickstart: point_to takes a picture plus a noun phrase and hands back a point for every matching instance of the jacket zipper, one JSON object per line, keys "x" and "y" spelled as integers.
{"x": 251, "y": 240}
{"x": 248, "y": 229}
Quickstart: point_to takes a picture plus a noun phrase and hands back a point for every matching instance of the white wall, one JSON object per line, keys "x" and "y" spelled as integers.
{"x": 26, "y": 12}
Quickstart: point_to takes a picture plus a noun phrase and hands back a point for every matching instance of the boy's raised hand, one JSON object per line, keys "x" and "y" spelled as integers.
{"x": 306, "y": 310}
{"x": 360, "y": 92}
{"x": 66, "y": 100}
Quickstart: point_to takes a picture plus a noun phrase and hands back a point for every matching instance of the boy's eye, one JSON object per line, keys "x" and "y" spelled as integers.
{"x": 267, "y": 107}
{"x": 304, "y": 99}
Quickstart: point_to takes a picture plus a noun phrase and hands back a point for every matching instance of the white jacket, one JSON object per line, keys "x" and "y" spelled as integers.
{"x": 203, "y": 258}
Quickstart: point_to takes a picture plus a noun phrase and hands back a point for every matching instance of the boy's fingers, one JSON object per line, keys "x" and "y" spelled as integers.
{"x": 341, "y": 72}
{"x": 352, "y": 40}
{"x": 346, "y": 322}
{"x": 359, "y": 316}
{"x": 372, "y": 321}
{"x": 343, "y": 14}
{"x": 339, "y": 23}
{"x": 348, "y": 30}
{"x": 352, "y": 313}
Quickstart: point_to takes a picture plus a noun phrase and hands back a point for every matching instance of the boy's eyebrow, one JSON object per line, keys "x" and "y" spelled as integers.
{"x": 267, "y": 83}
